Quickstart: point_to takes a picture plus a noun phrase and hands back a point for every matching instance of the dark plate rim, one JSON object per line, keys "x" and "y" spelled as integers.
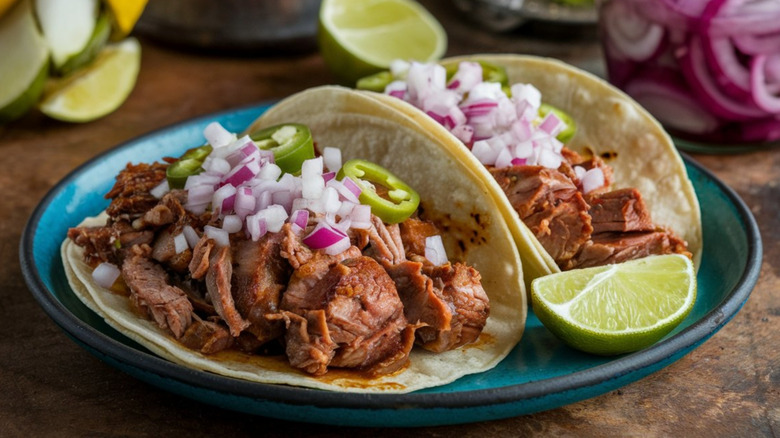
{"x": 591, "y": 377}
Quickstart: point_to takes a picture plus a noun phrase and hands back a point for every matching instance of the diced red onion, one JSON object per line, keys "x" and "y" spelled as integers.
{"x": 242, "y": 173}
{"x": 224, "y": 198}
{"x": 220, "y": 236}
{"x": 469, "y": 74}
{"x": 464, "y": 133}
{"x": 248, "y": 150}
{"x": 300, "y": 218}
{"x": 434, "y": 250}
{"x": 324, "y": 236}
{"x": 552, "y": 124}
{"x": 328, "y": 176}
{"x": 345, "y": 209}
{"x": 180, "y": 243}
{"x": 244, "y": 202}
{"x": 256, "y": 226}
{"x": 105, "y": 274}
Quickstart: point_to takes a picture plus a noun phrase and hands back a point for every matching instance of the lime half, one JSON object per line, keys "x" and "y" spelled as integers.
{"x": 25, "y": 62}
{"x": 359, "y": 37}
{"x": 618, "y": 308}
{"x": 98, "y": 88}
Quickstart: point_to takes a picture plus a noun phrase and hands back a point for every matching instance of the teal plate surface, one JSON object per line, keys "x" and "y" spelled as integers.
{"x": 540, "y": 373}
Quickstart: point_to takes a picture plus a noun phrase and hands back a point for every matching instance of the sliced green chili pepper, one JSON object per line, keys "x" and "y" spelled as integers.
{"x": 393, "y": 201}
{"x": 375, "y": 82}
{"x": 291, "y": 144}
{"x": 189, "y": 164}
{"x": 571, "y": 127}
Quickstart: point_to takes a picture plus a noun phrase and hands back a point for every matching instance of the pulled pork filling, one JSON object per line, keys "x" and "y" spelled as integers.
{"x": 582, "y": 230}
{"x": 363, "y": 308}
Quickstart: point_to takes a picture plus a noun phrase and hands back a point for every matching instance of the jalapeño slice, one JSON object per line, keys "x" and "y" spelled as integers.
{"x": 571, "y": 127}
{"x": 189, "y": 164}
{"x": 291, "y": 144}
{"x": 375, "y": 82}
{"x": 393, "y": 201}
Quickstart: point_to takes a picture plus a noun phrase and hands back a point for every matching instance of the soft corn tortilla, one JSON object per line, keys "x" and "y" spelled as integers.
{"x": 608, "y": 121}
{"x": 452, "y": 194}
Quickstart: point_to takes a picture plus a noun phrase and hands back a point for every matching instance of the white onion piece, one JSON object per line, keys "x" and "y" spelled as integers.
{"x": 434, "y": 250}
{"x": 217, "y": 135}
{"x": 161, "y": 189}
{"x": 220, "y": 236}
{"x": 180, "y": 243}
{"x": 592, "y": 180}
{"x": 105, "y": 274}
{"x": 191, "y": 235}
{"x": 332, "y": 158}
{"x": 270, "y": 171}
{"x": 232, "y": 223}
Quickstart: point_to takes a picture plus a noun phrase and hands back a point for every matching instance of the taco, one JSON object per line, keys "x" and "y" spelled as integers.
{"x": 591, "y": 177}
{"x": 318, "y": 250}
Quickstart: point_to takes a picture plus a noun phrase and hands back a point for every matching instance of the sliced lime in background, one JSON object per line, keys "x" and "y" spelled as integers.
{"x": 358, "y": 38}
{"x": 96, "y": 89}
{"x": 67, "y": 27}
{"x": 25, "y": 61}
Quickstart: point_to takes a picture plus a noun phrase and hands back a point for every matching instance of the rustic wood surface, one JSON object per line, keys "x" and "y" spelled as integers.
{"x": 51, "y": 387}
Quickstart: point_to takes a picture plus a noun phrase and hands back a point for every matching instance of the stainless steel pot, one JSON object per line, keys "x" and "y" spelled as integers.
{"x": 248, "y": 26}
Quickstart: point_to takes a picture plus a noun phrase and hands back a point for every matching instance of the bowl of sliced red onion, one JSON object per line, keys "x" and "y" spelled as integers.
{"x": 708, "y": 70}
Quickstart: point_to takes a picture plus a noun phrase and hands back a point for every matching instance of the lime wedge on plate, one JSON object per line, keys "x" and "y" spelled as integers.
{"x": 358, "y": 37}
{"x": 25, "y": 62}
{"x": 98, "y": 88}
{"x": 618, "y": 308}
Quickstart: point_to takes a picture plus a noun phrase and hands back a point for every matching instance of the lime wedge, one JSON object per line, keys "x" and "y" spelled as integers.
{"x": 67, "y": 26}
{"x": 124, "y": 13}
{"x": 25, "y": 62}
{"x": 618, "y": 308}
{"x": 358, "y": 37}
{"x": 95, "y": 44}
{"x": 97, "y": 89}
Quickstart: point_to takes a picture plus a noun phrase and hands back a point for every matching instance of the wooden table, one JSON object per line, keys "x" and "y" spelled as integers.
{"x": 52, "y": 387}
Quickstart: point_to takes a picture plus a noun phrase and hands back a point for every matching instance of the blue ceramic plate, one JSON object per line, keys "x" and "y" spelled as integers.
{"x": 541, "y": 373}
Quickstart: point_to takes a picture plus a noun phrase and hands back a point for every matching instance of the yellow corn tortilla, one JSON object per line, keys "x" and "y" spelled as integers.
{"x": 608, "y": 121}
{"x": 452, "y": 193}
